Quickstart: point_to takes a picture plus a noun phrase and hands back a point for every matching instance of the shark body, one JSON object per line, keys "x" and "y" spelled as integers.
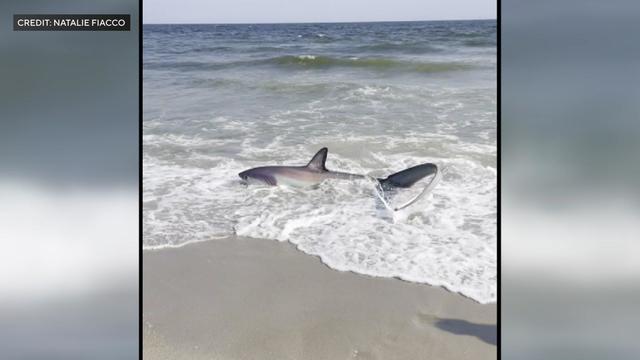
{"x": 316, "y": 172}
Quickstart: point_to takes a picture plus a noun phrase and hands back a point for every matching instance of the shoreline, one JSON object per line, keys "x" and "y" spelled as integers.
{"x": 318, "y": 258}
{"x": 241, "y": 297}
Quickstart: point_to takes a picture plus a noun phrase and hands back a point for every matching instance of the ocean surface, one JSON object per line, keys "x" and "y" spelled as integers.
{"x": 219, "y": 99}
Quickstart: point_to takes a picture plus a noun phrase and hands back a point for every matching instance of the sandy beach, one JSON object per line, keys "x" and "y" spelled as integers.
{"x": 241, "y": 298}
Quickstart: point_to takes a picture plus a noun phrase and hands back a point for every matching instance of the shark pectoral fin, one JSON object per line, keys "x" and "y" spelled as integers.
{"x": 318, "y": 161}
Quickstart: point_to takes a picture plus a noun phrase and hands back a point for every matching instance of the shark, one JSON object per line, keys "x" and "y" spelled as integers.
{"x": 316, "y": 172}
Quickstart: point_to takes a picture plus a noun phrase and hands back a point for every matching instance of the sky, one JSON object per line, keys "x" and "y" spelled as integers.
{"x": 283, "y": 11}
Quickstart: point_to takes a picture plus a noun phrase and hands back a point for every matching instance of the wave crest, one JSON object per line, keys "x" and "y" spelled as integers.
{"x": 297, "y": 62}
{"x": 319, "y": 62}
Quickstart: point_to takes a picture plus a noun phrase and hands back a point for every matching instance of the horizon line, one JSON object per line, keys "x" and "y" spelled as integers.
{"x": 310, "y": 22}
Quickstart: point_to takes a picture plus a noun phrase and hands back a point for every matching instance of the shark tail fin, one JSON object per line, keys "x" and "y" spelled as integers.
{"x": 318, "y": 161}
{"x": 406, "y": 178}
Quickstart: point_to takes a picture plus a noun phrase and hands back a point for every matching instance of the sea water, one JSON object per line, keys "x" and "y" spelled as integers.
{"x": 219, "y": 99}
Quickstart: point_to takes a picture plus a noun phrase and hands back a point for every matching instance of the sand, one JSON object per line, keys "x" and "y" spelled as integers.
{"x": 241, "y": 298}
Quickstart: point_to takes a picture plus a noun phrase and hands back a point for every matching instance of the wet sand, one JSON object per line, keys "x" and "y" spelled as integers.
{"x": 241, "y": 298}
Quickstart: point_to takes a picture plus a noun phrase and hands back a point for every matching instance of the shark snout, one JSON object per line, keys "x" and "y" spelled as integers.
{"x": 258, "y": 175}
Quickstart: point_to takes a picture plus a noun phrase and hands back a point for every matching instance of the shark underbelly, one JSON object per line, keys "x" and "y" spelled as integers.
{"x": 310, "y": 179}
{"x": 298, "y": 178}
{"x": 298, "y": 181}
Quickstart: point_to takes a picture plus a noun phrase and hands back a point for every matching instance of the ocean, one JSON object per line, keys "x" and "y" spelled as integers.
{"x": 219, "y": 99}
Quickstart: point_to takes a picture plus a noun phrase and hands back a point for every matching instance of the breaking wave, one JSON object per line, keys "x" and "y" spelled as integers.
{"x": 301, "y": 62}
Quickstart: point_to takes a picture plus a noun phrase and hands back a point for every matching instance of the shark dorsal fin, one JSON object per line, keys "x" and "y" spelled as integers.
{"x": 318, "y": 160}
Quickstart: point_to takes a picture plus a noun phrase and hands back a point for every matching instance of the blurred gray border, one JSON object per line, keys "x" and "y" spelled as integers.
{"x": 69, "y": 110}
